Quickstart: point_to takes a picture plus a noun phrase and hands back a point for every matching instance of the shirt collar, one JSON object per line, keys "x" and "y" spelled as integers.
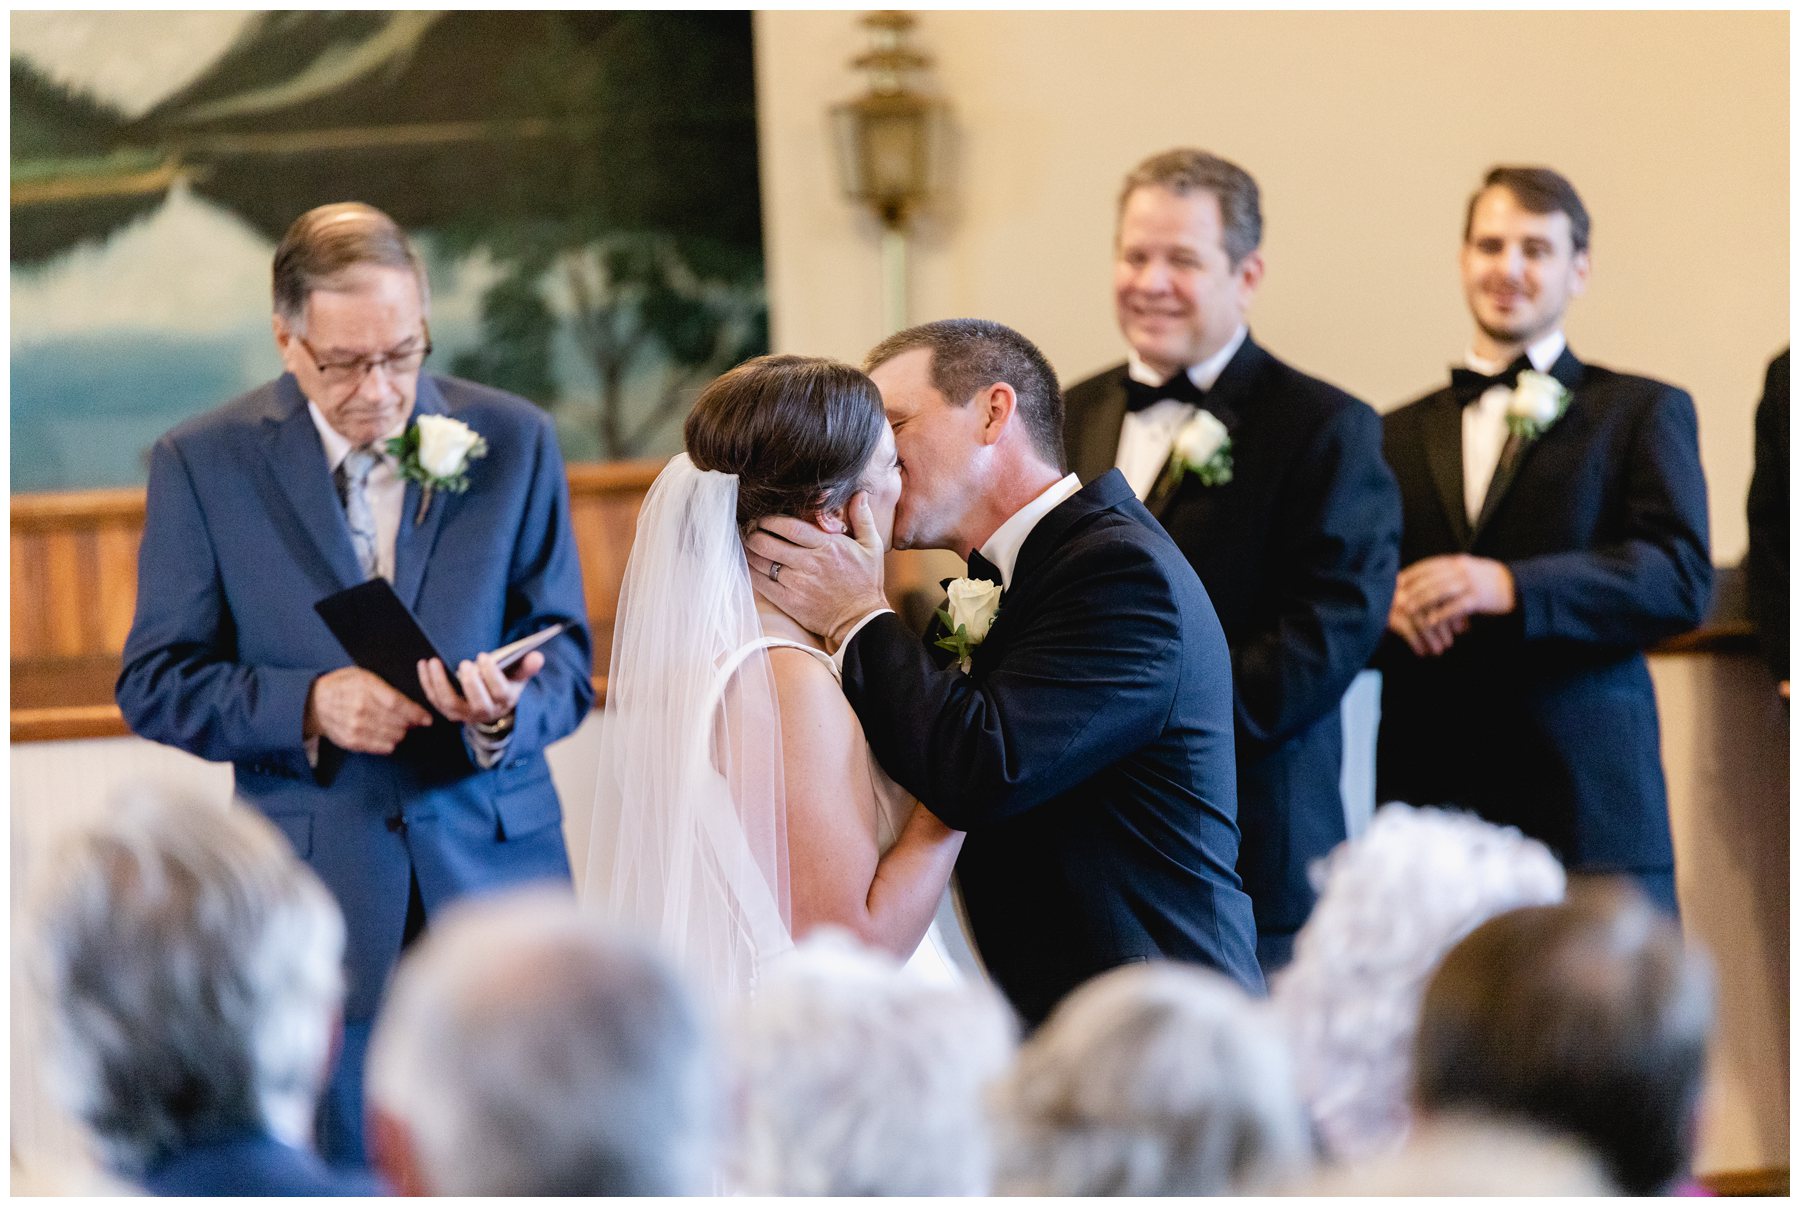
{"x": 337, "y": 445}
{"x": 1205, "y": 374}
{"x": 1543, "y": 355}
{"x": 1002, "y": 549}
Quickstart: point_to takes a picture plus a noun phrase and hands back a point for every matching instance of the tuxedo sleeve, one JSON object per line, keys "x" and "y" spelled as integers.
{"x": 1766, "y": 562}
{"x": 544, "y": 588}
{"x": 181, "y": 683}
{"x": 1653, "y": 583}
{"x": 1331, "y": 585}
{"x": 1082, "y": 681}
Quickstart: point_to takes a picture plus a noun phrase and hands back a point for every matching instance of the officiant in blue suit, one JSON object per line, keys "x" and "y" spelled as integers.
{"x": 289, "y": 494}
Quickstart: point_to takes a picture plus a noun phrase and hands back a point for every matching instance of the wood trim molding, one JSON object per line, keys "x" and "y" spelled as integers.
{"x": 1747, "y": 1183}
{"x": 105, "y": 721}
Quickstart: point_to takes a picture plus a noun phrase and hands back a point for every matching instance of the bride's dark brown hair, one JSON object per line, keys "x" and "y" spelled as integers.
{"x": 796, "y": 430}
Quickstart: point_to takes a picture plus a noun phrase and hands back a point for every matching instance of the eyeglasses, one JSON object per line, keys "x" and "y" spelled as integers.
{"x": 343, "y": 376}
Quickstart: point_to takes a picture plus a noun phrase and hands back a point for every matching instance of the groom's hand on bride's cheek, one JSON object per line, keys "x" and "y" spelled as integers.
{"x": 825, "y": 581}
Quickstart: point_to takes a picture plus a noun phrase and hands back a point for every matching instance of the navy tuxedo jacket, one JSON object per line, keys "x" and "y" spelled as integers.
{"x": 244, "y": 533}
{"x": 1087, "y": 752}
{"x": 1298, "y": 553}
{"x": 1545, "y": 718}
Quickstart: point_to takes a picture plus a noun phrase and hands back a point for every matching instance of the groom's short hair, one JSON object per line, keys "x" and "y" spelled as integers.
{"x": 968, "y": 355}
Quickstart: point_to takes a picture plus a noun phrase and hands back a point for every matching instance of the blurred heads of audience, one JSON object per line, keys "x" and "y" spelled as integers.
{"x": 1152, "y": 1079}
{"x": 526, "y": 1050}
{"x": 860, "y": 1078}
{"x": 1391, "y": 903}
{"x": 191, "y": 971}
{"x": 1589, "y": 1019}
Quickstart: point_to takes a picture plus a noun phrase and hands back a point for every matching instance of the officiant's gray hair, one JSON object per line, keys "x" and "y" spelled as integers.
{"x": 525, "y": 1049}
{"x": 191, "y": 967}
{"x": 326, "y": 242}
{"x": 858, "y": 1077}
{"x": 1153, "y": 1079}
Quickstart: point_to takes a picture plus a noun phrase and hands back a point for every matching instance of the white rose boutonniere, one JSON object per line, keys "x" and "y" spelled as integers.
{"x": 435, "y": 452}
{"x": 1202, "y": 448}
{"x": 972, "y": 605}
{"x": 1538, "y": 401}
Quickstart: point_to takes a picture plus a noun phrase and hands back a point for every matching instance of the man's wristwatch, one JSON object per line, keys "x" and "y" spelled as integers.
{"x": 495, "y": 729}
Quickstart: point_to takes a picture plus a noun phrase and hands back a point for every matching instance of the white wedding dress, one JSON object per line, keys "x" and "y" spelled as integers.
{"x": 689, "y": 838}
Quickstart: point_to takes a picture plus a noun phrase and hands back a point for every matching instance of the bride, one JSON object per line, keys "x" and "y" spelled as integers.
{"x": 739, "y": 805}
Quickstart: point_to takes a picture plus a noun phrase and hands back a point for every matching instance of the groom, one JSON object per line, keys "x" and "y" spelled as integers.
{"x": 1087, "y": 749}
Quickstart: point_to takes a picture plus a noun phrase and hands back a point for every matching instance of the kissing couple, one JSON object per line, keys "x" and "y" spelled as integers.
{"x": 780, "y": 752}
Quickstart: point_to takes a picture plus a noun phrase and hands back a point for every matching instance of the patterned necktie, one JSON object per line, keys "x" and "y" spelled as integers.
{"x": 353, "y": 489}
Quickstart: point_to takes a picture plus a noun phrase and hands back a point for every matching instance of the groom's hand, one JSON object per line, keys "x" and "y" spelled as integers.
{"x": 825, "y": 581}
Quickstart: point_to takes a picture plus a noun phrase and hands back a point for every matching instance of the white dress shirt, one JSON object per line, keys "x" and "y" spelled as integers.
{"x": 386, "y": 492}
{"x": 1002, "y": 549}
{"x": 1484, "y": 420}
{"x": 1147, "y": 436}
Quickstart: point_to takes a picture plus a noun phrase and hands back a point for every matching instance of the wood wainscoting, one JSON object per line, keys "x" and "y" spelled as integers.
{"x": 74, "y": 587}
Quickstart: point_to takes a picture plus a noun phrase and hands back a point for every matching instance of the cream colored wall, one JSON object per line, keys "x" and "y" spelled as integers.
{"x": 1366, "y": 132}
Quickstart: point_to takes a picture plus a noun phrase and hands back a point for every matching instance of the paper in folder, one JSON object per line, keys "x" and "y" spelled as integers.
{"x": 382, "y": 636}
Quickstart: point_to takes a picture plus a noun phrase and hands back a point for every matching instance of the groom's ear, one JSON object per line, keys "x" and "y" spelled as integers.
{"x": 1000, "y": 403}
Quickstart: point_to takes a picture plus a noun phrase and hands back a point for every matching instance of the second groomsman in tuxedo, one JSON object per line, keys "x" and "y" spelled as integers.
{"x": 1273, "y": 485}
{"x": 1555, "y": 526}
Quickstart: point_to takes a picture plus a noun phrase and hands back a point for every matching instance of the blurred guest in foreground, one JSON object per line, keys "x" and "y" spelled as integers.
{"x": 1588, "y": 1018}
{"x": 192, "y": 970}
{"x": 1466, "y": 1155}
{"x": 1152, "y": 1079}
{"x": 1555, "y": 529}
{"x": 526, "y": 1051}
{"x": 1391, "y": 903}
{"x": 860, "y": 1078}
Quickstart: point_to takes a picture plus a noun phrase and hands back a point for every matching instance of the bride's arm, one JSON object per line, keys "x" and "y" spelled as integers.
{"x": 836, "y": 873}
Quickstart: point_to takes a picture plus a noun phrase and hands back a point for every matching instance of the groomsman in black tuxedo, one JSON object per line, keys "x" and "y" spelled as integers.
{"x": 1555, "y": 526}
{"x": 1294, "y": 526}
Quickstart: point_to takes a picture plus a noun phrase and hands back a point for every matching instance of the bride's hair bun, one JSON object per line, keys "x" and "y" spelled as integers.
{"x": 796, "y": 430}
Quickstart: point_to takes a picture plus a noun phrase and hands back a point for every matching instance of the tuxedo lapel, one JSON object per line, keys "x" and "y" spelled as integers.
{"x": 416, "y": 538}
{"x": 1566, "y": 370}
{"x": 1096, "y": 446}
{"x": 1440, "y": 421}
{"x": 297, "y": 463}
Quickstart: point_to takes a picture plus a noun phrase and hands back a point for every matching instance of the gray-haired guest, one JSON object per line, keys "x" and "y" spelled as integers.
{"x": 192, "y": 970}
{"x": 1153, "y": 1079}
{"x": 1391, "y": 903}
{"x": 858, "y": 1077}
{"x": 524, "y": 1050}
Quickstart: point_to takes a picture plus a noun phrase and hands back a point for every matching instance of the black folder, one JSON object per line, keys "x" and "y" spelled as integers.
{"x": 381, "y": 635}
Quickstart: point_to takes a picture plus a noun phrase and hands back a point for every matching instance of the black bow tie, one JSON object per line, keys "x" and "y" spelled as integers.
{"x": 980, "y": 567}
{"x": 1468, "y": 385}
{"x": 1180, "y": 387}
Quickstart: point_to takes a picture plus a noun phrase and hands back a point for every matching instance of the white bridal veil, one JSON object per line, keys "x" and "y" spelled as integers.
{"x": 689, "y": 844}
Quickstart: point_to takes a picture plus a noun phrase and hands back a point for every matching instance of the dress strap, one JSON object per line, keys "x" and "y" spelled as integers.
{"x": 730, "y": 666}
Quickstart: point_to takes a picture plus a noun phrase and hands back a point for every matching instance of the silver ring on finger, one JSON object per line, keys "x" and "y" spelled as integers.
{"x": 774, "y": 572}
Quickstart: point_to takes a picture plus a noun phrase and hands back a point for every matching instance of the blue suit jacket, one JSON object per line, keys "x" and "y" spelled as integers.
{"x": 251, "y": 1164}
{"x": 1546, "y": 718}
{"x": 1088, "y": 753}
{"x": 244, "y": 533}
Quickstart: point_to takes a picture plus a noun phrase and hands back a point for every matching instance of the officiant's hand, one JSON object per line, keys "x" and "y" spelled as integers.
{"x": 489, "y": 694}
{"x": 826, "y": 581}
{"x": 359, "y": 712}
